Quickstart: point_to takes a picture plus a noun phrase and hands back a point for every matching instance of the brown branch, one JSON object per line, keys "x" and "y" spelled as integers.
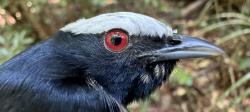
{"x": 34, "y": 20}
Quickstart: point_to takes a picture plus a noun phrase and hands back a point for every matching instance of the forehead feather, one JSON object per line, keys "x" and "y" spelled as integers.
{"x": 133, "y": 23}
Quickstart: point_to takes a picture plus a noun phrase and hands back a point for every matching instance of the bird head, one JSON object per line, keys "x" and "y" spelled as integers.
{"x": 128, "y": 54}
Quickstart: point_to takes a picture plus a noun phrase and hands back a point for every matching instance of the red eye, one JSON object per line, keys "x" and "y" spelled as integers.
{"x": 116, "y": 40}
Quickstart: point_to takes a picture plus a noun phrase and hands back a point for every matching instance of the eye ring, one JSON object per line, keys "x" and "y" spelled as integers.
{"x": 116, "y": 40}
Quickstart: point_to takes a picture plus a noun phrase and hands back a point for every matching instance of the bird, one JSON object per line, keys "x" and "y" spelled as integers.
{"x": 99, "y": 64}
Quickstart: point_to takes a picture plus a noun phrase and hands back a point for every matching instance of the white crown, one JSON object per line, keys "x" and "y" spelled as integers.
{"x": 133, "y": 23}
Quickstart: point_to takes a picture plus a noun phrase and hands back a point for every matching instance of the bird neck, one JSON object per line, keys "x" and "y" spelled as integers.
{"x": 46, "y": 73}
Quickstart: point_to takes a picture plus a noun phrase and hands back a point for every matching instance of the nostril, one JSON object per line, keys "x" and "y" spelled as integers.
{"x": 173, "y": 41}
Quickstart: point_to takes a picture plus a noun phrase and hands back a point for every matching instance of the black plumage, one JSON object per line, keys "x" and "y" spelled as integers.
{"x": 76, "y": 73}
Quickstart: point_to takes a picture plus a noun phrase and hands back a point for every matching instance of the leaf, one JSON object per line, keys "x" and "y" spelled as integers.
{"x": 4, "y": 3}
{"x": 233, "y": 35}
{"x": 2, "y": 40}
{"x": 4, "y": 52}
{"x": 244, "y": 64}
{"x": 233, "y": 15}
{"x": 13, "y": 43}
{"x": 234, "y": 86}
{"x": 224, "y": 23}
{"x": 181, "y": 77}
{"x": 242, "y": 96}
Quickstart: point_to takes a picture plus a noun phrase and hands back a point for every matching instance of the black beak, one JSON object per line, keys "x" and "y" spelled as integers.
{"x": 185, "y": 47}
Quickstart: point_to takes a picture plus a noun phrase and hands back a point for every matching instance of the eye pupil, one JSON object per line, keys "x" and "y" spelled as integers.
{"x": 116, "y": 40}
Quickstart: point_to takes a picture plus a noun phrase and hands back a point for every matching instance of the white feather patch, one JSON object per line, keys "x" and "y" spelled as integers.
{"x": 145, "y": 78}
{"x": 133, "y": 23}
{"x": 157, "y": 71}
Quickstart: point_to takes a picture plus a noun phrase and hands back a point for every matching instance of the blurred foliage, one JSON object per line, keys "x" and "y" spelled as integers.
{"x": 181, "y": 77}
{"x": 231, "y": 21}
{"x": 200, "y": 85}
{"x": 13, "y": 43}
